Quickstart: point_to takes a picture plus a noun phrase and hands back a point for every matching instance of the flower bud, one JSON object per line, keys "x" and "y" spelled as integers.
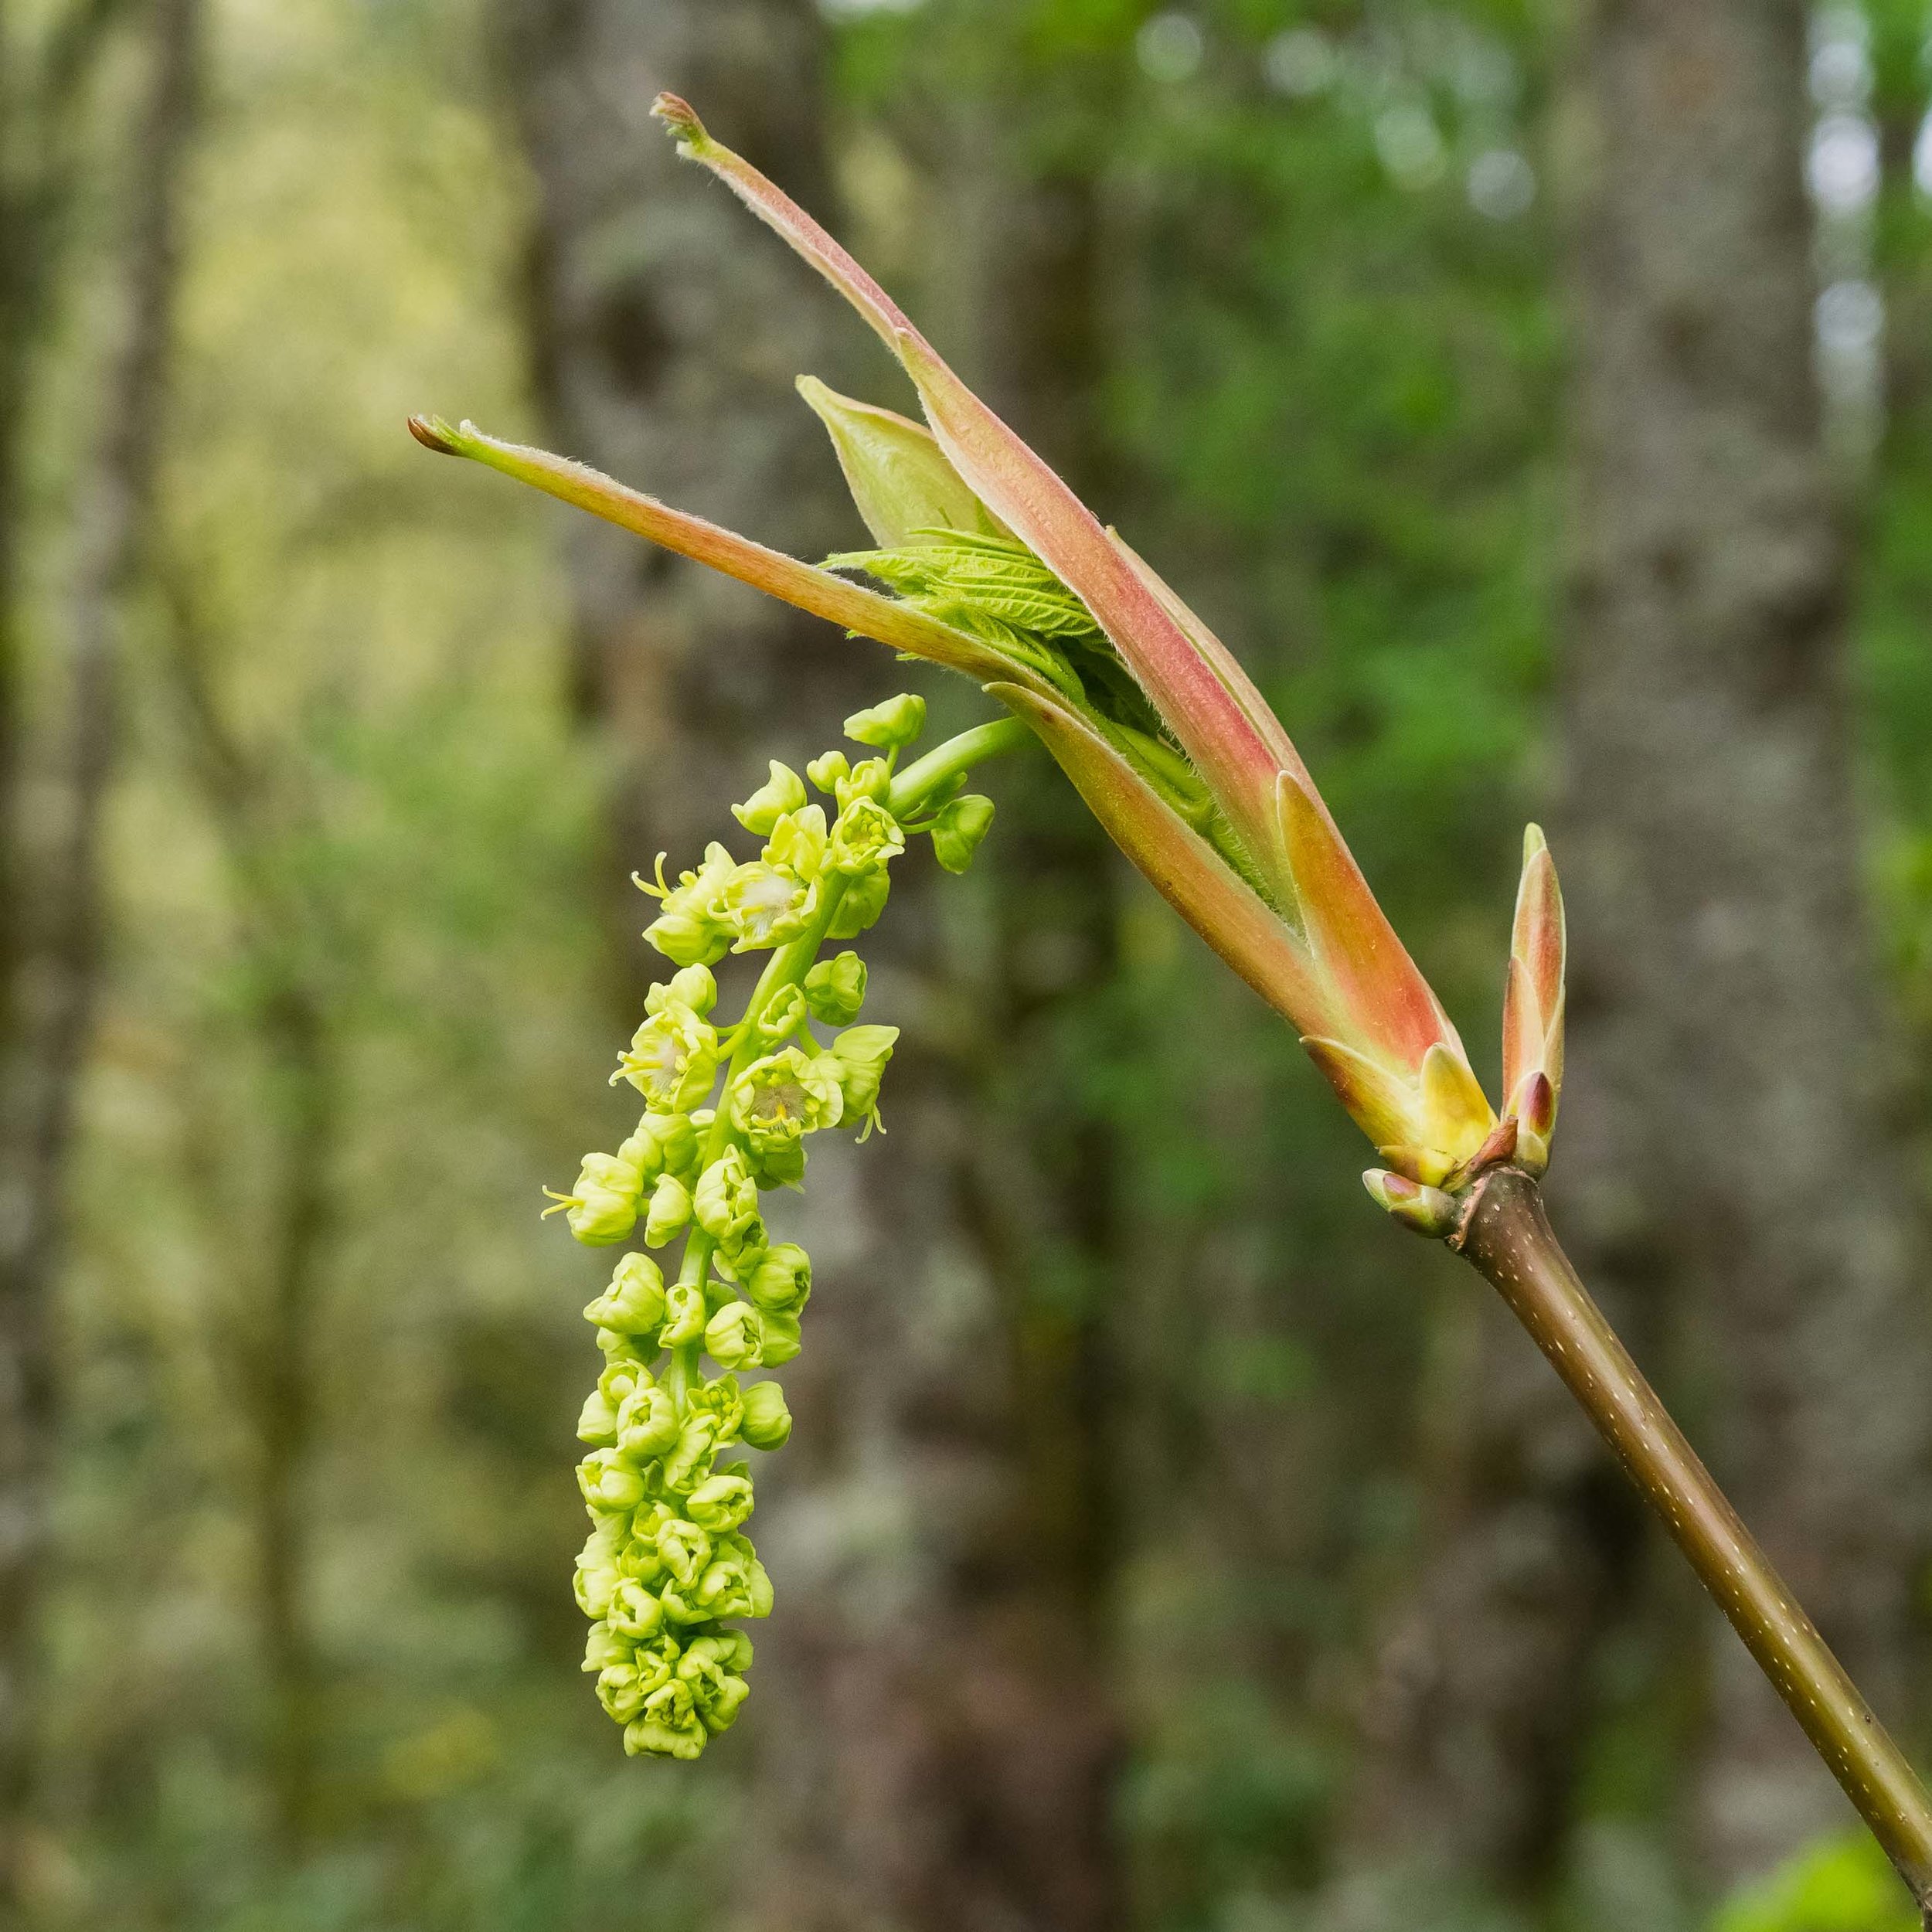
{"x": 870, "y": 778}
{"x": 723, "y": 1402}
{"x": 897, "y": 722}
{"x": 829, "y": 771}
{"x": 646, "y": 1425}
{"x": 734, "y": 1336}
{"x": 860, "y": 904}
{"x": 671, "y": 1060}
{"x": 628, "y": 1680}
{"x": 724, "y": 1589}
{"x": 638, "y": 1556}
{"x": 670, "y": 1209}
{"x": 640, "y": 1150}
{"x": 609, "y": 1482}
{"x": 720, "y": 1503}
{"x": 726, "y": 1204}
{"x": 620, "y": 1692}
{"x": 684, "y": 1549}
{"x": 669, "y": 1726}
{"x": 598, "y": 1423}
{"x": 767, "y": 1421}
{"x": 603, "y": 1647}
{"x": 784, "y": 1016}
{"x": 689, "y": 1462}
{"x": 694, "y": 987}
{"x": 633, "y": 1611}
{"x": 597, "y": 1574}
{"x": 784, "y": 791}
{"x": 620, "y": 1377}
{"x": 711, "y": 1666}
{"x": 781, "y": 1340}
{"x": 634, "y": 1302}
{"x": 834, "y": 989}
{"x": 757, "y": 1584}
{"x": 683, "y": 1317}
{"x": 673, "y": 1140}
{"x": 959, "y": 828}
{"x": 782, "y": 1280}
{"x": 1427, "y": 1210}
{"x": 779, "y": 1164}
{"x": 865, "y": 838}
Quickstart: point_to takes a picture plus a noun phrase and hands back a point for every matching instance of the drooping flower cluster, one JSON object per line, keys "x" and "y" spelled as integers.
{"x": 667, "y": 1569}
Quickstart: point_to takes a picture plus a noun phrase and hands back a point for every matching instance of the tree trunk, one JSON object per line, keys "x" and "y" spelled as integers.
{"x": 1715, "y": 820}
{"x": 925, "y": 1740}
{"x": 1723, "y": 1175}
{"x": 55, "y": 971}
{"x": 284, "y": 938}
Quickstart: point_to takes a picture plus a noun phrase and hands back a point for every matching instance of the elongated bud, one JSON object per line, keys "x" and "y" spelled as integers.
{"x": 898, "y": 478}
{"x": 1533, "y": 1006}
{"x": 1426, "y": 1210}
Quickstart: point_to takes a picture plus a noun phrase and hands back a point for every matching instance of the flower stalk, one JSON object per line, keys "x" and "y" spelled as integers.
{"x": 1504, "y": 1233}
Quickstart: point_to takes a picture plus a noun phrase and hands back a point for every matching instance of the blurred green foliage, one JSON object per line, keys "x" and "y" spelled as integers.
{"x": 1844, "y": 1885}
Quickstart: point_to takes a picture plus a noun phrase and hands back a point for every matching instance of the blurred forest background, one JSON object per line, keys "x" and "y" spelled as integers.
{"x": 1538, "y": 393}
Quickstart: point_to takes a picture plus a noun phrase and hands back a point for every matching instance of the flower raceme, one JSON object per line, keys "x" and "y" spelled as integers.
{"x": 985, "y": 563}
{"x": 728, "y": 1111}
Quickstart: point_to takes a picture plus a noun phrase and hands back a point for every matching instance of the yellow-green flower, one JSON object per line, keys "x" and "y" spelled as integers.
{"x": 889, "y": 725}
{"x": 720, "y": 1503}
{"x": 672, "y": 1059}
{"x": 784, "y": 791}
{"x": 724, "y": 1204}
{"x": 734, "y": 1337}
{"x": 602, "y": 1207}
{"x": 670, "y": 1209}
{"x": 859, "y": 1055}
{"x": 634, "y": 1302}
{"x": 647, "y": 1424}
{"x": 865, "y": 838}
{"x": 785, "y": 1095}
{"x": 688, "y": 930}
{"x": 611, "y": 1483}
{"x": 766, "y": 906}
